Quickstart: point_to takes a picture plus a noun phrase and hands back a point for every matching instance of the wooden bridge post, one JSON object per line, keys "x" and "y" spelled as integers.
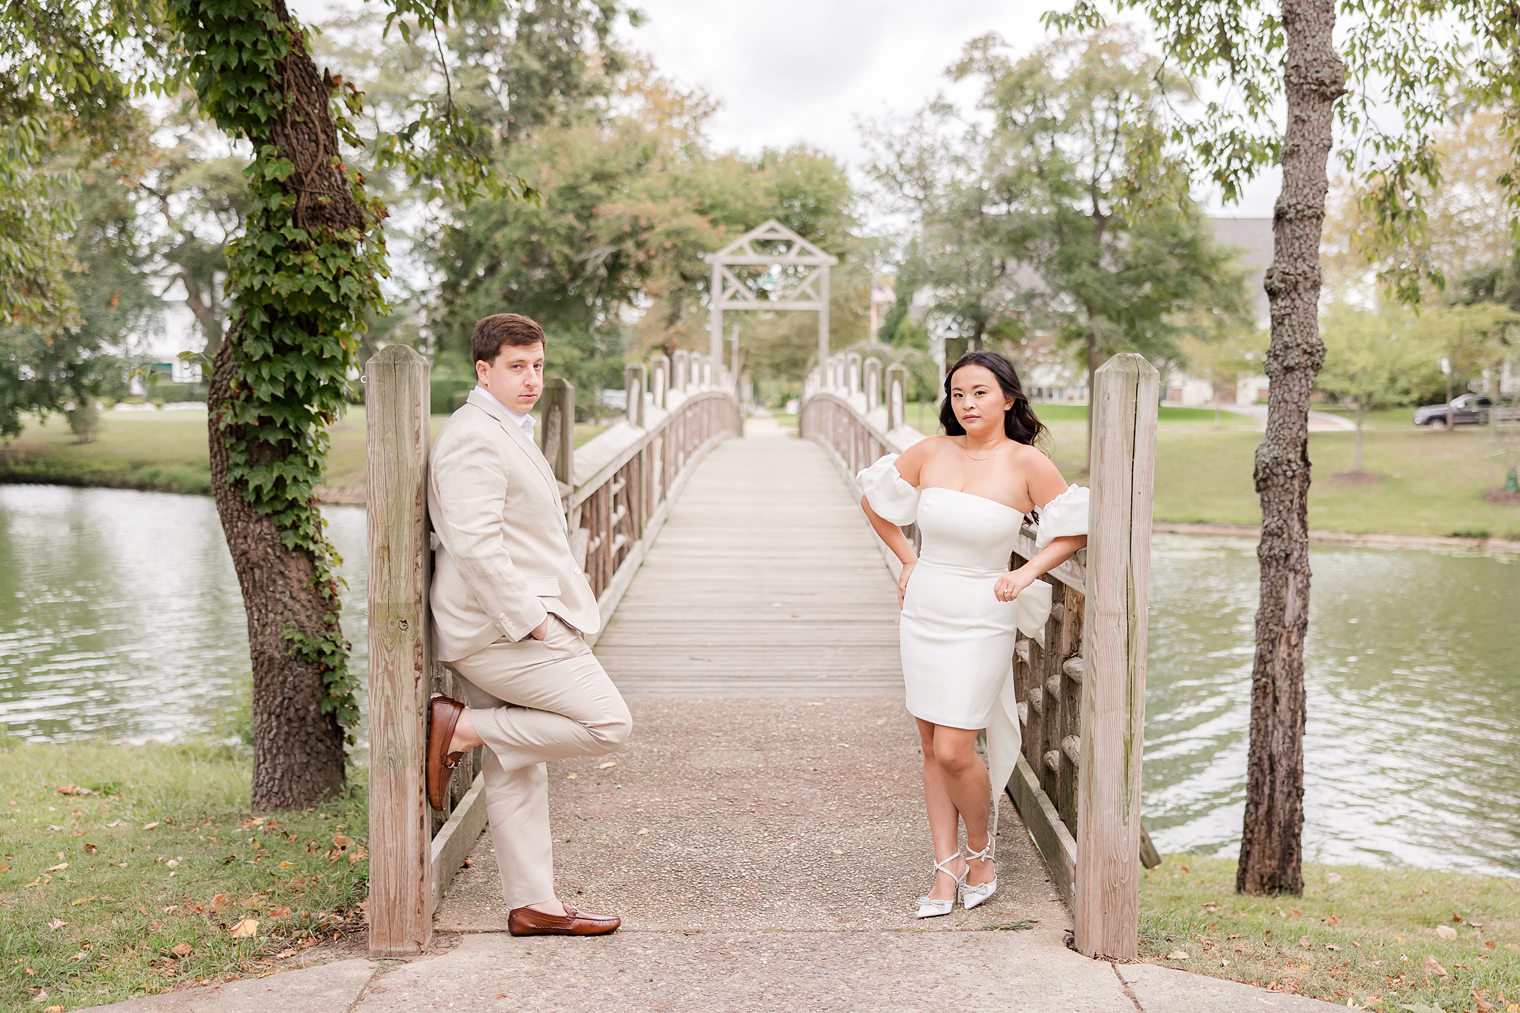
{"x": 659, "y": 383}
{"x": 681, "y": 364}
{"x": 873, "y": 383}
{"x": 400, "y": 652}
{"x": 634, "y": 379}
{"x": 852, "y": 372}
{"x": 897, "y": 391}
{"x": 1113, "y": 655}
{"x": 556, "y": 429}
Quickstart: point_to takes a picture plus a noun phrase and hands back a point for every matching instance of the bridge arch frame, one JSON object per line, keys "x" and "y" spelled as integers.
{"x": 731, "y": 290}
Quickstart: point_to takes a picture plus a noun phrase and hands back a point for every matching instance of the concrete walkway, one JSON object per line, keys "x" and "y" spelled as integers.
{"x": 762, "y": 835}
{"x": 1319, "y": 422}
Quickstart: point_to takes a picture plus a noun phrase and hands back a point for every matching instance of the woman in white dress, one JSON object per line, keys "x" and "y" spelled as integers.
{"x": 969, "y": 492}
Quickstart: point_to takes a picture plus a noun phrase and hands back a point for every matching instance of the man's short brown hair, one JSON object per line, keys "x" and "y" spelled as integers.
{"x": 503, "y": 329}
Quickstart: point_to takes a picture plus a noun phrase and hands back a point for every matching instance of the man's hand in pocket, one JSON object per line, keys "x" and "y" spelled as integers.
{"x": 541, "y": 630}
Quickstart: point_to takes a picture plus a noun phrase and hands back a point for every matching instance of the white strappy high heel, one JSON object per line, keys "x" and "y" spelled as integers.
{"x": 928, "y": 907}
{"x": 971, "y": 895}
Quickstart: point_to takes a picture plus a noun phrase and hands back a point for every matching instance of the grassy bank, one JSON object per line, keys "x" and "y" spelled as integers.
{"x": 135, "y": 869}
{"x": 1397, "y": 941}
{"x": 165, "y": 451}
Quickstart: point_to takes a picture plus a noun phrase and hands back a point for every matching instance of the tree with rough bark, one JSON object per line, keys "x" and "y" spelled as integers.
{"x": 299, "y": 279}
{"x": 1285, "y": 64}
{"x": 301, "y": 283}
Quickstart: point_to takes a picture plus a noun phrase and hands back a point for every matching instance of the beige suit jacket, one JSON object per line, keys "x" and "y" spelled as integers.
{"x": 503, "y": 559}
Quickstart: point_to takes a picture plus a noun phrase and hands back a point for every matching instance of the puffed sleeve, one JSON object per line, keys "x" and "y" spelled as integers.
{"x": 888, "y": 492}
{"x": 1064, "y": 515}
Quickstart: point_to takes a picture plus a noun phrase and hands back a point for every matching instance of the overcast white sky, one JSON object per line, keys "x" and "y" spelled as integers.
{"x": 790, "y": 71}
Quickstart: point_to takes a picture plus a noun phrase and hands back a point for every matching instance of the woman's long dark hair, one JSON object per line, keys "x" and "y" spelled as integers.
{"x": 1019, "y": 422}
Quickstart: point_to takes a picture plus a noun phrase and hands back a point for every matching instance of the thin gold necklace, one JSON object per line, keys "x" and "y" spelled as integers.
{"x": 971, "y": 455}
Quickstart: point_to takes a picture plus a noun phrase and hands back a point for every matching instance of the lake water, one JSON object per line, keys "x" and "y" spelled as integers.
{"x": 120, "y": 617}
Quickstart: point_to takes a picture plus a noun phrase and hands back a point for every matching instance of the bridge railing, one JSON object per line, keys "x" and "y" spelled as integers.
{"x": 617, "y": 491}
{"x": 1082, "y": 694}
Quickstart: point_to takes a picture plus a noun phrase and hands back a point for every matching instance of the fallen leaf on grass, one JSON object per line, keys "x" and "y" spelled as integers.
{"x": 74, "y": 789}
{"x": 340, "y": 841}
{"x": 80, "y": 900}
{"x": 183, "y": 950}
{"x": 279, "y": 912}
{"x": 1434, "y": 967}
{"x": 150, "y": 826}
{"x": 1177, "y": 955}
{"x": 57, "y": 868}
{"x": 56, "y": 923}
{"x": 1446, "y": 932}
{"x": 245, "y": 929}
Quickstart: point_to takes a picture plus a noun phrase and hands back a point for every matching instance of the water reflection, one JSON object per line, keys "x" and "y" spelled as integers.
{"x": 1412, "y": 748}
{"x": 120, "y": 616}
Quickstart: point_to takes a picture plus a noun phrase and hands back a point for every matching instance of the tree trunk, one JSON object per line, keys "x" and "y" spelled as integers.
{"x": 298, "y": 756}
{"x": 1361, "y": 417}
{"x": 298, "y": 739}
{"x": 1272, "y": 840}
{"x": 209, "y": 319}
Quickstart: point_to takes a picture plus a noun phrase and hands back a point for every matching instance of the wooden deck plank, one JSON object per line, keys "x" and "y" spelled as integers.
{"x": 764, "y": 582}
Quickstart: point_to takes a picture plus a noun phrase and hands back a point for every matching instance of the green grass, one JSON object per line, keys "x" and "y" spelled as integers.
{"x": 125, "y": 870}
{"x": 1358, "y": 936}
{"x": 166, "y": 451}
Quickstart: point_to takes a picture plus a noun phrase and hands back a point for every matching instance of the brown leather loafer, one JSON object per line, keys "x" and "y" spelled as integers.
{"x": 524, "y": 921}
{"x": 443, "y": 715}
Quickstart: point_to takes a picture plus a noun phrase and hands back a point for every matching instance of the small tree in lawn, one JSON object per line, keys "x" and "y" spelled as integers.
{"x": 1373, "y": 360}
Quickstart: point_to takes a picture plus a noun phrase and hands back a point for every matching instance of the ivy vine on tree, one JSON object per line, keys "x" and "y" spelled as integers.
{"x": 301, "y": 278}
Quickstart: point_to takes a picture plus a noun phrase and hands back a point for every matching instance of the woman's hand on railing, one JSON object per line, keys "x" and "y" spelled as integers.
{"x": 1011, "y": 583}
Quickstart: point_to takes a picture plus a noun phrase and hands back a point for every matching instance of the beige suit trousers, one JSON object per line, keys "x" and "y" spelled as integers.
{"x": 533, "y": 701}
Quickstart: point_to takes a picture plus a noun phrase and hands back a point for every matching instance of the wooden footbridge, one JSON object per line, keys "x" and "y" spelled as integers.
{"x": 734, "y": 563}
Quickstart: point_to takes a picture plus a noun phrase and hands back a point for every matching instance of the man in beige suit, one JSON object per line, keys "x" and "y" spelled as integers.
{"x": 510, "y": 614}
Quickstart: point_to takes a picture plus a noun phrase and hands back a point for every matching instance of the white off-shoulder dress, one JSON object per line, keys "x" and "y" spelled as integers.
{"x": 956, "y": 637}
